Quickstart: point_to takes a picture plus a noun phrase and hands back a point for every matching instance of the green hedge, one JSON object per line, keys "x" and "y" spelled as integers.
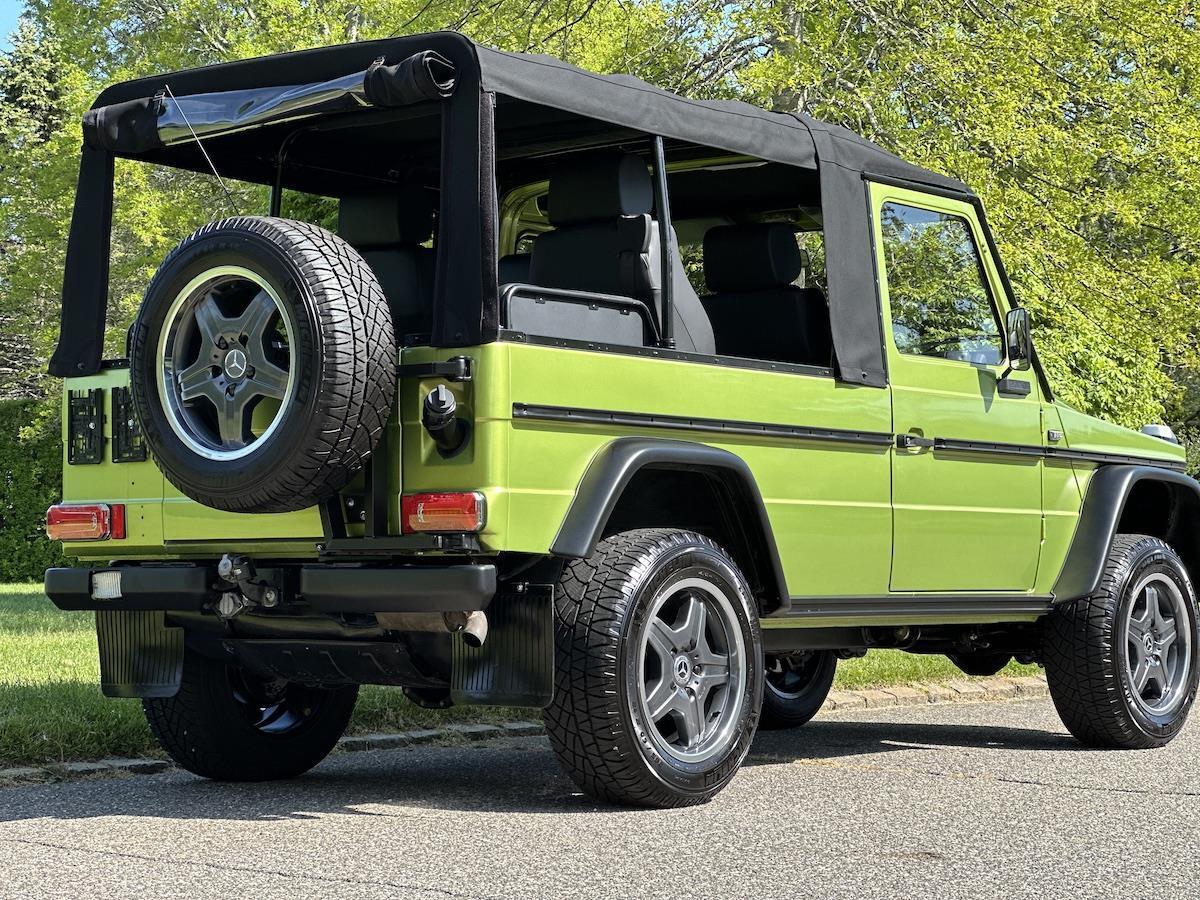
{"x": 30, "y": 480}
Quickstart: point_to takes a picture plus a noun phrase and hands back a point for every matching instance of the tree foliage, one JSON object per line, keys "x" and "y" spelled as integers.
{"x": 1077, "y": 121}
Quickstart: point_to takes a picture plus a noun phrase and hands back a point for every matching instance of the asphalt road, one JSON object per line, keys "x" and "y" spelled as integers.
{"x": 992, "y": 800}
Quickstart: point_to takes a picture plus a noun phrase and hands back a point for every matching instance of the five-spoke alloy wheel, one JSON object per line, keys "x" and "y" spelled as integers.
{"x": 1158, "y": 644}
{"x": 692, "y": 663}
{"x": 1121, "y": 663}
{"x": 232, "y": 725}
{"x": 225, "y": 350}
{"x": 263, "y": 365}
{"x": 658, "y": 669}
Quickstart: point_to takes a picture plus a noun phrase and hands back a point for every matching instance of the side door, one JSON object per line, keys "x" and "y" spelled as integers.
{"x": 966, "y": 470}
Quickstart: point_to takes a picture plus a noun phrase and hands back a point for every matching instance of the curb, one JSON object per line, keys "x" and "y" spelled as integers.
{"x": 982, "y": 690}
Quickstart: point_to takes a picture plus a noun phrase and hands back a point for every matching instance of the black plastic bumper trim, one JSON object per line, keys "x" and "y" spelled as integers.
{"x": 407, "y": 589}
{"x": 171, "y": 588}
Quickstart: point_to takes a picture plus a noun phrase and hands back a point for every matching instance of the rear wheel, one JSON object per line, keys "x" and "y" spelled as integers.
{"x": 795, "y": 687}
{"x": 231, "y": 725}
{"x": 1121, "y": 663}
{"x": 658, "y": 676}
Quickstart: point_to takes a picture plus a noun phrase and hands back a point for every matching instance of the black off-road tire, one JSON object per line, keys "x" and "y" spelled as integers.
{"x": 1086, "y": 663}
{"x": 345, "y": 366}
{"x": 797, "y": 706}
{"x": 601, "y": 604}
{"x": 207, "y": 730}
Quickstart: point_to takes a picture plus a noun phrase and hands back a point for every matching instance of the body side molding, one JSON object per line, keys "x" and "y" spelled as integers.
{"x": 879, "y": 439}
{"x": 615, "y": 464}
{"x": 1101, "y": 514}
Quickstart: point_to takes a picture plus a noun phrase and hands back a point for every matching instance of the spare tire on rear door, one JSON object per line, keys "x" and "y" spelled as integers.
{"x": 263, "y": 365}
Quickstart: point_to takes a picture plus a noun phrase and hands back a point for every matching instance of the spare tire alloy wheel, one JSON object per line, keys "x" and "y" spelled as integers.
{"x": 215, "y": 369}
{"x": 263, "y": 365}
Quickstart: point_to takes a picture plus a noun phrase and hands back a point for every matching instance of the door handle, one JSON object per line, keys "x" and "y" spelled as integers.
{"x": 911, "y": 441}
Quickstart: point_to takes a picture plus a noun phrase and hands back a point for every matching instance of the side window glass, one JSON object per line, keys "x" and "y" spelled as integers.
{"x": 939, "y": 296}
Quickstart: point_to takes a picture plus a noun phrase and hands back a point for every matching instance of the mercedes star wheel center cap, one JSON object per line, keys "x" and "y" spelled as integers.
{"x": 235, "y": 363}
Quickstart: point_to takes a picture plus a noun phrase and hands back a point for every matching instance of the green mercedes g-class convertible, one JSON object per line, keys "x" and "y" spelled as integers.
{"x": 639, "y": 409}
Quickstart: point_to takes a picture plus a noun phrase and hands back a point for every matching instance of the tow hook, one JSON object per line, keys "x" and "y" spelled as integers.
{"x": 244, "y": 589}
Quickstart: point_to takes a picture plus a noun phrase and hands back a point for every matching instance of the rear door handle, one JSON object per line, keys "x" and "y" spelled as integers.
{"x": 913, "y": 441}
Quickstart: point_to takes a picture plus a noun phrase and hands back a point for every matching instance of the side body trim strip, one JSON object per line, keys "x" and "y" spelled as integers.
{"x": 807, "y": 433}
{"x": 953, "y": 445}
{"x": 684, "y": 423}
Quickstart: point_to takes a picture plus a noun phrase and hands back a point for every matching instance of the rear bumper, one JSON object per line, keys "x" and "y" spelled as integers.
{"x": 334, "y": 589}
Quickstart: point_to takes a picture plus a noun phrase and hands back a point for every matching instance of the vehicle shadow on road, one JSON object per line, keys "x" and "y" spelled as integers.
{"x": 503, "y": 777}
{"x": 828, "y": 740}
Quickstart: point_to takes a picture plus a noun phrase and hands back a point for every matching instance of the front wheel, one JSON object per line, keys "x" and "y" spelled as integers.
{"x": 658, "y": 669}
{"x": 1121, "y": 664}
{"x": 231, "y": 725}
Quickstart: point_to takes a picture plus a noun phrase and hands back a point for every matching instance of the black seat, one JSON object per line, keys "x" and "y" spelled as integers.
{"x": 514, "y": 268}
{"x": 606, "y": 242}
{"x": 755, "y": 309}
{"x": 388, "y": 231}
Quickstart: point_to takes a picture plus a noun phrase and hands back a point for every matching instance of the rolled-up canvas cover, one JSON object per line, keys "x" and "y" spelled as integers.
{"x": 167, "y": 118}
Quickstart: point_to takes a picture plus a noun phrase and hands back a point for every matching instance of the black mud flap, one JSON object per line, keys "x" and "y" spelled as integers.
{"x": 515, "y": 665}
{"x": 140, "y": 656}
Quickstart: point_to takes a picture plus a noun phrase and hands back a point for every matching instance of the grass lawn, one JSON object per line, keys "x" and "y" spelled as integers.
{"x": 51, "y": 708}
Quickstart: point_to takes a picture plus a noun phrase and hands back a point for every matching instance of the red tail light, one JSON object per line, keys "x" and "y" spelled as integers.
{"x": 443, "y": 512}
{"x": 86, "y": 522}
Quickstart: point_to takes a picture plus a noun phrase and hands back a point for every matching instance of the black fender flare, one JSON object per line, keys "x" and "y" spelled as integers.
{"x": 615, "y": 464}
{"x": 1100, "y": 516}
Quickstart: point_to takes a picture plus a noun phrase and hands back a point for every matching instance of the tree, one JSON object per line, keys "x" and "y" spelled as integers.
{"x": 1076, "y": 121}
{"x": 32, "y": 114}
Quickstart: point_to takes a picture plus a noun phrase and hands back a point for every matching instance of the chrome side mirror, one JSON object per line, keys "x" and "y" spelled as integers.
{"x": 1018, "y": 339}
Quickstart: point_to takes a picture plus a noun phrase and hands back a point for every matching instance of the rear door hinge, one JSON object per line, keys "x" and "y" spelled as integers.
{"x": 457, "y": 369}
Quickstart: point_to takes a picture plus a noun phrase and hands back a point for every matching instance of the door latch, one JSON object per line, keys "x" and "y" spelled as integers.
{"x": 913, "y": 441}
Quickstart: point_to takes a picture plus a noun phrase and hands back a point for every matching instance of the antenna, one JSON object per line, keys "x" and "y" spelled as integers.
{"x": 203, "y": 149}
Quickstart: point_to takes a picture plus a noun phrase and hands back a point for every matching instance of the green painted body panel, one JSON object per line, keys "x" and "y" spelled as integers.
{"x": 828, "y": 503}
{"x": 850, "y": 520}
{"x": 962, "y": 522}
{"x": 1063, "y": 487}
{"x": 160, "y": 522}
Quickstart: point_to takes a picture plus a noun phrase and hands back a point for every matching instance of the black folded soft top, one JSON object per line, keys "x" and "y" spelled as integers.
{"x": 247, "y": 113}
{"x": 797, "y": 140}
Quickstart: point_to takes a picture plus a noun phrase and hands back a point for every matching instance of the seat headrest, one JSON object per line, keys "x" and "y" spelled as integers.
{"x": 385, "y": 220}
{"x": 598, "y": 187}
{"x": 751, "y": 257}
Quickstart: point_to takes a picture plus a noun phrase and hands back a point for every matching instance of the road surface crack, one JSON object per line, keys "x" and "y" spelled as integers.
{"x": 250, "y": 870}
{"x": 996, "y": 779}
